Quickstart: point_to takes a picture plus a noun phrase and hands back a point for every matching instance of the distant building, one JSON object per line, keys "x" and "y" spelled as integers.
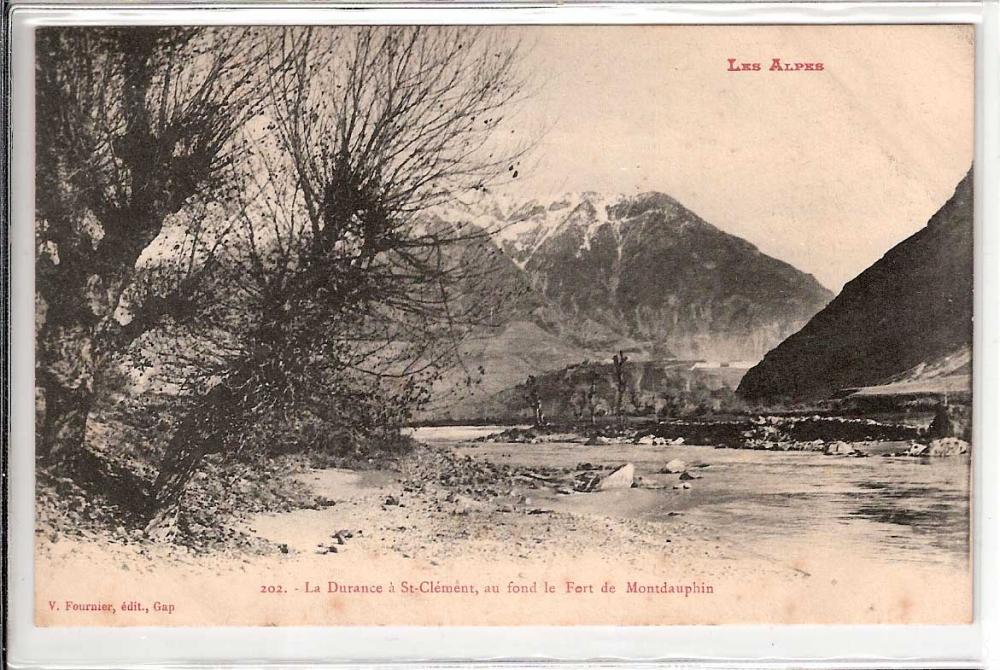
{"x": 716, "y": 365}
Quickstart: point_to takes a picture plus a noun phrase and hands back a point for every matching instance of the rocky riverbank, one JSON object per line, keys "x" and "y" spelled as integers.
{"x": 754, "y": 525}
{"x": 839, "y": 436}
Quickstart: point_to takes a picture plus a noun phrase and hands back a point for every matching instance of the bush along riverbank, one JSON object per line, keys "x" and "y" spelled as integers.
{"x": 832, "y": 435}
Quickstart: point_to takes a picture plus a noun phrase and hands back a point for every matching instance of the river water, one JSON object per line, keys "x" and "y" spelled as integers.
{"x": 885, "y": 508}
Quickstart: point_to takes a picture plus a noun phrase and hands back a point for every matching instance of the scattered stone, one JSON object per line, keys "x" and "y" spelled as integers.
{"x": 622, "y": 478}
{"x": 947, "y": 446}
{"x": 673, "y": 467}
{"x": 463, "y": 505}
{"x": 513, "y": 435}
{"x": 391, "y": 500}
{"x": 585, "y": 482}
{"x": 649, "y": 482}
{"x": 917, "y": 449}
{"x": 803, "y": 433}
{"x": 839, "y": 449}
{"x": 686, "y": 476}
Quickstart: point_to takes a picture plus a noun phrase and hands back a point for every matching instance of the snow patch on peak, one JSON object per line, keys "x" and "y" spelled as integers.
{"x": 521, "y": 227}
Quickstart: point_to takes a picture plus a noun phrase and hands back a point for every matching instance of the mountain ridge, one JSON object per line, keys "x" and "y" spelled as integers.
{"x": 638, "y": 273}
{"x": 913, "y": 306}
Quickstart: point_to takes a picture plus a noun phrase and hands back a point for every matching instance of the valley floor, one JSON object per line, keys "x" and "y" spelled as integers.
{"x": 474, "y": 533}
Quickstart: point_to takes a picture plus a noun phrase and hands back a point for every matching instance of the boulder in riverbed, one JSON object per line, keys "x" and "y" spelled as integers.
{"x": 586, "y": 481}
{"x": 947, "y": 446}
{"x": 839, "y": 449}
{"x": 654, "y": 482}
{"x": 622, "y": 478}
{"x": 674, "y": 467}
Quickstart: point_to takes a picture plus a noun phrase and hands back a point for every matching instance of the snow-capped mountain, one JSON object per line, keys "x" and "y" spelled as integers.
{"x": 521, "y": 227}
{"x": 643, "y": 272}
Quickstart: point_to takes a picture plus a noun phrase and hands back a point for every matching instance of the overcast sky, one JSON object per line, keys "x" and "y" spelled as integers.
{"x": 826, "y": 170}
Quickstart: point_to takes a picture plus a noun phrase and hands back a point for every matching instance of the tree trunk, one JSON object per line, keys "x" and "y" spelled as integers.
{"x": 66, "y": 377}
{"x": 177, "y": 470}
{"x": 65, "y": 421}
{"x": 201, "y": 433}
{"x": 618, "y": 410}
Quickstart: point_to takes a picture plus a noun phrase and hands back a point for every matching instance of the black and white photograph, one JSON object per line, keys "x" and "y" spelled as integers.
{"x": 503, "y": 325}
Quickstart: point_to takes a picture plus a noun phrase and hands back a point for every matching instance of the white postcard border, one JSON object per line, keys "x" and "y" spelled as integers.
{"x": 718, "y": 646}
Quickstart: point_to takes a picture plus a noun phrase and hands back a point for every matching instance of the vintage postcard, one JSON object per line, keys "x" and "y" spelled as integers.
{"x": 503, "y": 325}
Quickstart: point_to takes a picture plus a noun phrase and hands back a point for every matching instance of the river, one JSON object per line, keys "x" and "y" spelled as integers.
{"x": 882, "y": 508}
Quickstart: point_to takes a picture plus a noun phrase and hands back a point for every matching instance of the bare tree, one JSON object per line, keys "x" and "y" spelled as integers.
{"x": 578, "y": 404}
{"x": 133, "y": 129}
{"x": 358, "y": 297}
{"x": 534, "y": 398}
{"x": 592, "y": 399}
{"x": 621, "y": 385}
